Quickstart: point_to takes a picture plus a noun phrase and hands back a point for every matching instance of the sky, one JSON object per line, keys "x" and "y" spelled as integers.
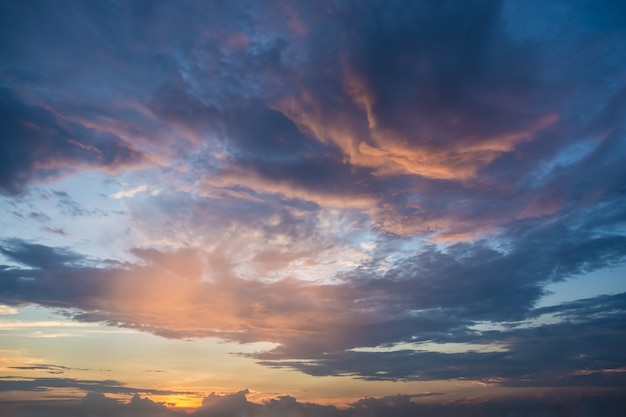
{"x": 306, "y": 208}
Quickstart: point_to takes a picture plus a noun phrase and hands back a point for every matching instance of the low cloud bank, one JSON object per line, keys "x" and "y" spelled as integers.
{"x": 236, "y": 404}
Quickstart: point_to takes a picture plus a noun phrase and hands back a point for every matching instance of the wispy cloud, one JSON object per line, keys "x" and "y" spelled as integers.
{"x": 131, "y": 192}
{"x": 18, "y": 383}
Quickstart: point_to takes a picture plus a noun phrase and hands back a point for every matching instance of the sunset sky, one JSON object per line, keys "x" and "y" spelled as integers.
{"x": 312, "y": 207}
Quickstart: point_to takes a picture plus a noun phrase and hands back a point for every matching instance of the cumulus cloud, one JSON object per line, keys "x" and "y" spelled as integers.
{"x": 607, "y": 404}
{"x": 93, "y": 404}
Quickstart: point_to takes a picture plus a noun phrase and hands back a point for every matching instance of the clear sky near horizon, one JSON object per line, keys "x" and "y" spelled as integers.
{"x": 339, "y": 208}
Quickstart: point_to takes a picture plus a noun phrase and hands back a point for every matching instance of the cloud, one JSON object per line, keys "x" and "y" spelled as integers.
{"x": 93, "y": 404}
{"x": 38, "y": 143}
{"x": 40, "y": 256}
{"x": 608, "y": 404}
{"x": 424, "y": 90}
{"x": 402, "y": 113}
{"x": 332, "y": 176}
{"x": 51, "y": 369}
{"x": 225, "y": 405}
{"x": 131, "y": 192}
{"x": 5, "y": 310}
{"x": 14, "y": 383}
{"x": 423, "y": 298}
{"x": 545, "y": 355}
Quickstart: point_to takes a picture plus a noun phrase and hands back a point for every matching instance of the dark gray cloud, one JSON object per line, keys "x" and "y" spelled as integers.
{"x": 586, "y": 349}
{"x": 608, "y": 404}
{"x": 15, "y": 383}
{"x": 438, "y": 72}
{"x": 36, "y": 144}
{"x": 49, "y": 368}
{"x": 93, "y": 404}
{"x": 39, "y": 256}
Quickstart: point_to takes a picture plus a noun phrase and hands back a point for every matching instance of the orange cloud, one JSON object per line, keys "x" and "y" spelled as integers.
{"x": 363, "y": 143}
{"x": 169, "y": 295}
{"x": 289, "y": 188}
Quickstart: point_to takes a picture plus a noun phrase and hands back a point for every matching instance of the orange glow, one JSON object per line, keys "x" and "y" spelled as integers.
{"x": 179, "y": 402}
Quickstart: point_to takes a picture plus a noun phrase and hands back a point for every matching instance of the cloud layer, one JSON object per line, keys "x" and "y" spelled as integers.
{"x": 363, "y": 184}
{"x": 608, "y": 405}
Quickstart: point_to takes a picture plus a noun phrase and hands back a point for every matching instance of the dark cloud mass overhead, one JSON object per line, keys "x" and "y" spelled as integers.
{"x": 385, "y": 191}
